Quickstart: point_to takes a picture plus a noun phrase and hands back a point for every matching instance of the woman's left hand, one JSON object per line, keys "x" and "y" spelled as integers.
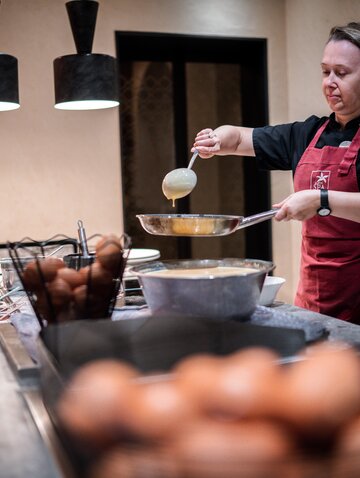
{"x": 301, "y": 205}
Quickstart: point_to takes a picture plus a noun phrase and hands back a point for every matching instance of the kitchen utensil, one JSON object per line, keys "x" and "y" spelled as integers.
{"x": 192, "y": 160}
{"x": 213, "y": 296}
{"x": 84, "y": 258}
{"x": 180, "y": 182}
{"x": 200, "y": 225}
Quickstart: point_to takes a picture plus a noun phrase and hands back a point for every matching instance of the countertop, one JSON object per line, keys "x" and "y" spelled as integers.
{"x": 23, "y": 452}
{"x": 27, "y": 447}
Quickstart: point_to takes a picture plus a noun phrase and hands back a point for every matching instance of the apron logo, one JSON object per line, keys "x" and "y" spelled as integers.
{"x": 320, "y": 180}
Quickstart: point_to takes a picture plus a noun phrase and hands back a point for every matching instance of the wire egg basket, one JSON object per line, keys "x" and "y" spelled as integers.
{"x": 75, "y": 286}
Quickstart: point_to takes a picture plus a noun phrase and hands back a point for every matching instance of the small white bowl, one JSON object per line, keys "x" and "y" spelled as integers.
{"x": 270, "y": 288}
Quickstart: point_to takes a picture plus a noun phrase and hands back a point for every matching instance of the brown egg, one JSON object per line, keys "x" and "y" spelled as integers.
{"x": 324, "y": 348}
{"x": 136, "y": 462}
{"x": 348, "y": 440}
{"x": 95, "y": 402}
{"x": 109, "y": 254}
{"x": 322, "y": 391}
{"x": 53, "y": 303}
{"x": 213, "y": 449}
{"x": 246, "y": 385}
{"x": 71, "y": 276}
{"x": 80, "y": 296}
{"x": 88, "y": 305}
{"x": 97, "y": 278}
{"x": 158, "y": 410}
{"x": 36, "y": 273}
{"x": 195, "y": 376}
{"x": 60, "y": 292}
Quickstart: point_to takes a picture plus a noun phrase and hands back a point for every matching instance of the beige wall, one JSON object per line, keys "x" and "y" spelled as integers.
{"x": 308, "y": 23}
{"x": 58, "y": 166}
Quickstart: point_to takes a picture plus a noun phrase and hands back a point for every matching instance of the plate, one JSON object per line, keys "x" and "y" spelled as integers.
{"x": 137, "y": 256}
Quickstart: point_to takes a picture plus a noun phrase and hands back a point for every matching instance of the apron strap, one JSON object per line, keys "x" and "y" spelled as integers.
{"x": 319, "y": 132}
{"x": 350, "y": 155}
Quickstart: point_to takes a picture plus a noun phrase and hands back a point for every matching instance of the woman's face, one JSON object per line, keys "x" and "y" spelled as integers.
{"x": 341, "y": 79}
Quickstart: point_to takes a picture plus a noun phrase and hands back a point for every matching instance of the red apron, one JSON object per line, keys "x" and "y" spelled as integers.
{"x": 330, "y": 251}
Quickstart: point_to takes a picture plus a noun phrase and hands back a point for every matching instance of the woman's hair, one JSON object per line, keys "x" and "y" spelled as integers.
{"x": 349, "y": 32}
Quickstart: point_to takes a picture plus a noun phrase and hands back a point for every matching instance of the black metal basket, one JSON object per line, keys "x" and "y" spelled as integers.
{"x": 91, "y": 293}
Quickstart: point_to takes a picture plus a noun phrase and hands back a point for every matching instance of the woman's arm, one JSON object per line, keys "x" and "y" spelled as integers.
{"x": 304, "y": 205}
{"x": 224, "y": 140}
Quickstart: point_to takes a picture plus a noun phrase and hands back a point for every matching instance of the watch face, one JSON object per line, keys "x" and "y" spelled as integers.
{"x": 323, "y": 211}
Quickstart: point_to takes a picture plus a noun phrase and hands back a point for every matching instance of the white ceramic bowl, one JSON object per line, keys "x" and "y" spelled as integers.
{"x": 270, "y": 289}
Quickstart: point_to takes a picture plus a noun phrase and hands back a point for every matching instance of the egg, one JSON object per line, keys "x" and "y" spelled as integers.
{"x": 36, "y": 273}
{"x": 136, "y": 462}
{"x": 80, "y": 297}
{"x": 348, "y": 439}
{"x": 60, "y": 292}
{"x": 246, "y": 385}
{"x": 213, "y": 449}
{"x": 98, "y": 392}
{"x": 97, "y": 278}
{"x": 195, "y": 376}
{"x": 71, "y": 276}
{"x": 109, "y": 253}
{"x": 53, "y": 300}
{"x": 322, "y": 391}
{"x": 158, "y": 410}
{"x": 89, "y": 305}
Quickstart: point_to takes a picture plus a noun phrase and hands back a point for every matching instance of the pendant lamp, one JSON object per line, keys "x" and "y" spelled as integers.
{"x": 9, "y": 83}
{"x": 85, "y": 80}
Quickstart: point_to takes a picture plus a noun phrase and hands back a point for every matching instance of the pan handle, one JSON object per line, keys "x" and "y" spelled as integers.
{"x": 256, "y": 218}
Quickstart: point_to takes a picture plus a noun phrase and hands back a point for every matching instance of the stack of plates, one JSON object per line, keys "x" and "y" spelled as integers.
{"x": 138, "y": 256}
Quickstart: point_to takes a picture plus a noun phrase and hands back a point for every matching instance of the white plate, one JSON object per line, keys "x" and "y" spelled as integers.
{"x": 137, "y": 256}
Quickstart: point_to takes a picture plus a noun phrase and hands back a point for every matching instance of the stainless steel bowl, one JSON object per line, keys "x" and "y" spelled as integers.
{"x": 215, "y": 297}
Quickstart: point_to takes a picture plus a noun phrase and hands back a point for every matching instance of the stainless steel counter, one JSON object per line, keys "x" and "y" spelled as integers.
{"x": 23, "y": 452}
{"x": 29, "y": 446}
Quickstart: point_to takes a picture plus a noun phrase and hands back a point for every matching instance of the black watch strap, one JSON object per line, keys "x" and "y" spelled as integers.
{"x": 324, "y": 198}
{"x": 324, "y": 209}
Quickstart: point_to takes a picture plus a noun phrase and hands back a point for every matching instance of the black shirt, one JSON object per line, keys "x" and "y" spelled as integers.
{"x": 281, "y": 147}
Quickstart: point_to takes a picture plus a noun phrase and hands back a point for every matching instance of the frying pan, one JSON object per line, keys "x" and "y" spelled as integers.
{"x": 200, "y": 225}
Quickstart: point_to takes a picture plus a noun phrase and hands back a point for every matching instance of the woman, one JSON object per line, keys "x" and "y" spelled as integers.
{"x": 323, "y": 154}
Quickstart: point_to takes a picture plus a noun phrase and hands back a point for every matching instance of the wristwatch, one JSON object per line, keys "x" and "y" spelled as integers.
{"x": 324, "y": 209}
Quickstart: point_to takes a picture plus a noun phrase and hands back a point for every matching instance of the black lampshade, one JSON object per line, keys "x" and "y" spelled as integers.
{"x": 9, "y": 83}
{"x": 84, "y": 80}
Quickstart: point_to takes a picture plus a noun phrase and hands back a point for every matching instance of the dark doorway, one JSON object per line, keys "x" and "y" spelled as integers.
{"x": 171, "y": 86}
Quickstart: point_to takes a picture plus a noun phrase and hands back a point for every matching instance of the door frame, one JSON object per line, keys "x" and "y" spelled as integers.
{"x": 251, "y": 54}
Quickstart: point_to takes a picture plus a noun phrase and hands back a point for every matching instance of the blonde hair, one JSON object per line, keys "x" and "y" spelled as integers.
{"x": 349, "y": 32}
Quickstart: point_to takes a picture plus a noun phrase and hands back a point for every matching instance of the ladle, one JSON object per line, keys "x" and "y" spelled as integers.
{"x": 179, "y": 182}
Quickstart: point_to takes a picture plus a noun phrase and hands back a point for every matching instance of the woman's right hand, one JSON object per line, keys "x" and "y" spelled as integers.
{"x": 207, "y": 143}
{"x": 224, "y": 140}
